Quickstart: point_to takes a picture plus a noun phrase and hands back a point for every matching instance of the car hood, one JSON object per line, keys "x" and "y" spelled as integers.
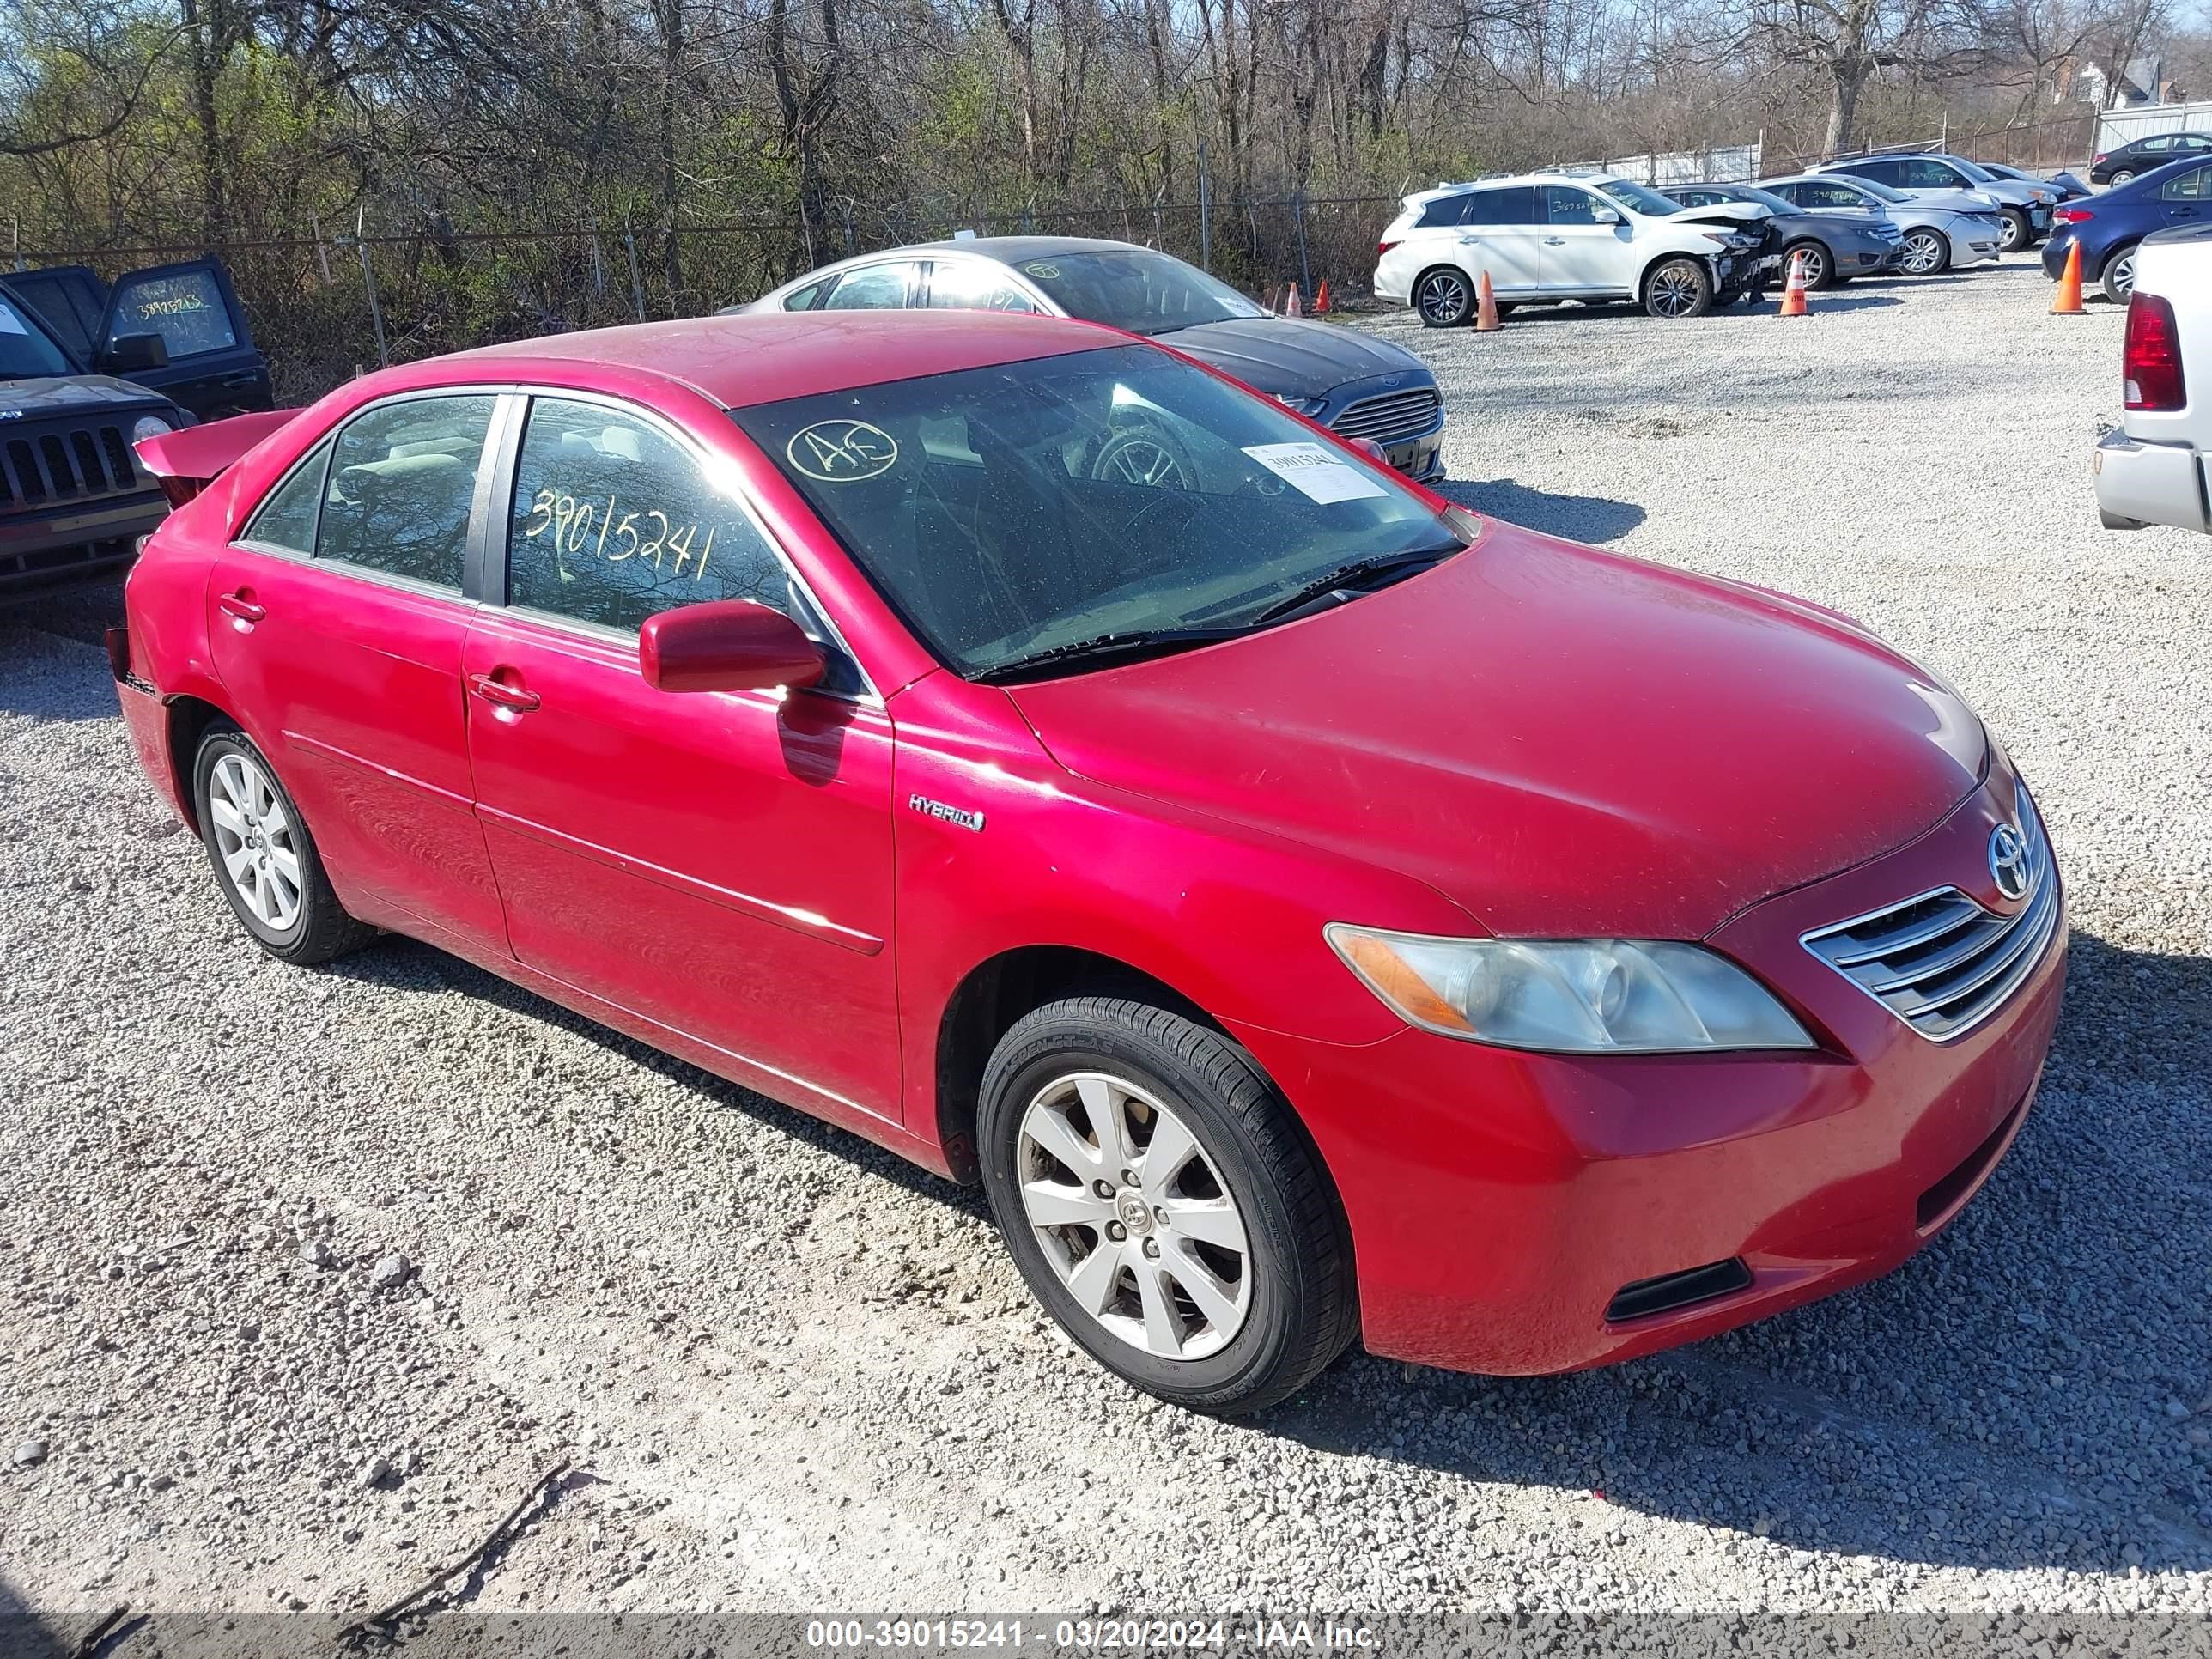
{"x": 1955, "y": 201}
{"x": 60, "y": 395}
{"x": 1720, "y": 213}
{"x": 1290, "y": 357}
{"x": 1565, "y": 741}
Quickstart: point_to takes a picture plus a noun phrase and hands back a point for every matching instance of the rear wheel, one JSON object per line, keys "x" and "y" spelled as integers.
{"x": 2016, "y": 233}
{"x": 1678, "y": 288}
{"x": 2123, "y": 175}
{"x": 1163, "y": 1205}
{"x": 1819, "y": 263}
{"x": 1927, "y": 253}
{"x": 1444, "y": 298}
{"x": 2119, "y": 280}
{"x": 264, "y": 860}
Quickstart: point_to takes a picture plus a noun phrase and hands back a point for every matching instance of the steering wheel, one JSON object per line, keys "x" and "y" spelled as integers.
{"x": 1144, "y": 457}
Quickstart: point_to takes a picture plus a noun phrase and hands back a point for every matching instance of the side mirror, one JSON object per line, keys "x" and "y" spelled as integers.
{"x": 1605, "y": 216}
{"x": 729, "y": 645}
{"x": 132, "y": 353}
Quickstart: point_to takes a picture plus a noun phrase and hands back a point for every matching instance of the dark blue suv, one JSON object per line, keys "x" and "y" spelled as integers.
{"x": 2108, "y": 225}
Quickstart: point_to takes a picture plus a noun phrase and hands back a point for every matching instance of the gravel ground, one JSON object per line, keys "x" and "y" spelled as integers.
{"x": 306, "y": 1278}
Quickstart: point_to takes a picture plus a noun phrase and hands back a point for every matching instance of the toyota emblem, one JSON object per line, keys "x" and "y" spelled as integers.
{"x": 2008, "y": 860}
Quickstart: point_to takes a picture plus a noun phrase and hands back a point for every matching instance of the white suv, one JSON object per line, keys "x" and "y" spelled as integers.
{"x": 1545, "y": 236}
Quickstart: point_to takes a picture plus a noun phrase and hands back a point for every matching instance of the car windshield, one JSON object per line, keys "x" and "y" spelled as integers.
{"x": 26, "y": 351}
{"x": 1064, "y": 503}
{"x": 1650, "y": 203}
{"x": 1133, "y": 288}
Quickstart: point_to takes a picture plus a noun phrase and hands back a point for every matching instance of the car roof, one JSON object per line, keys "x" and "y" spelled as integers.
{"x": 765, "y": 356}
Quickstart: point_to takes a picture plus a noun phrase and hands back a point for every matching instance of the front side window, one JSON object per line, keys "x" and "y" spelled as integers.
{"x": 1566, "y": 206}
{"x": 1930, "y": 175}
{"x": 185, "y": 308}
{"x": 613, "y": 520}
{"x": 872, "y": 287}
{"x": 2192, "y": 144}
{"x": 402, "y": 478}
{"x": 971, "y": 285}
{"x": 1031, "y": 512}
{"x": 1136, "y": 290}
{"x": 26, "y": 350}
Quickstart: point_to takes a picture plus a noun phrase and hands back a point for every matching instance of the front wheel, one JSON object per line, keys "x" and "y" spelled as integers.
{"x": 2119, "y": 280}
{"x": 1444, "y": 298}
{"x": 2016, "y": 233}
{"x": 1927, "y": 253}
{"x": 265, "y": 861}
{"x": 1678, "y": 288}
{"x": 1819, "y": 263}
{"x": 1163, "y": 1205}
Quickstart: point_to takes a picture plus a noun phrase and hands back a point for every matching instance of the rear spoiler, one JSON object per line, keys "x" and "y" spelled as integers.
{"x": 187, "y": 462}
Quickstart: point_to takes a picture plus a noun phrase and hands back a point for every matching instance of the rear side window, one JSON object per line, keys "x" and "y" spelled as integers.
{"x": 2194, "y": 186}
{"x": 613, "y": 521}
{"x": 287, "y": 517}
{"x": 874, "y": 288}
{"x": 402, "y": 478}
{"x": 1697, "y": 198}
{"x": 804, "y": 299}
{"x": 185, "y": 308}
{"x": 1882, "y": 173}
{"x": 1515, "y": 206}
{"x": 1444, "y": 211}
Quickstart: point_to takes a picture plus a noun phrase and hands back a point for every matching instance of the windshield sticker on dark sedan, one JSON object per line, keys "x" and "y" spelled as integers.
{"x": 1314, "y": 472}
{"x": 843, "y": 451}
{"x": 1042, "y": 270}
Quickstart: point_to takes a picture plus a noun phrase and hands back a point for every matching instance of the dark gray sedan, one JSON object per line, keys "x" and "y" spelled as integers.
{"x": 1836, "y": 246}
{"x": 1357, "y": 385}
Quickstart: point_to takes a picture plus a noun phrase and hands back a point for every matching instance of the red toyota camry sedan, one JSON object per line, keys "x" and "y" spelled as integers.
{"x": 1310, "y": 910}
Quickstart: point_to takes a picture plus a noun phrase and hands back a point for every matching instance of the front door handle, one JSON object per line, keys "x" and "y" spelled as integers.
{"x": 500, "y": 694}
{"x": 241, "y": 608}
{"x": 243, "y": 377}
{"x": 1555, "y": 241}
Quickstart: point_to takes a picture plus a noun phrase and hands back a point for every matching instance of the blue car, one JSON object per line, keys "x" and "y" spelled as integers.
{"x": 2108, "y": 226}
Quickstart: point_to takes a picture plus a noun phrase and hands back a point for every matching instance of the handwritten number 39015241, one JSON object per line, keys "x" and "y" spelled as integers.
{"x": 573, "y": 525}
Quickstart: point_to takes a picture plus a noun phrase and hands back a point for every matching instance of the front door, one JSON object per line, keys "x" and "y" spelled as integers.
{"x": 1581, "y": 254}
{"x": 719, "y": 863}
{"x": 213, "y": 368}
{"x": 336, "y": 623}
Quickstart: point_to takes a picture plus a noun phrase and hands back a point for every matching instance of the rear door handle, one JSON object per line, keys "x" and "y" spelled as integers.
{"x": 501, "y": 695}
{"x": 240, "y": 607}
{"x": 1555, "y": 241}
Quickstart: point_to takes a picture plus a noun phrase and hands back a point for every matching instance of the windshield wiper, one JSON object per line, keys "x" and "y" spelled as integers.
{"x": 1109, "y": 647}
{"x": 1360, "y": 574}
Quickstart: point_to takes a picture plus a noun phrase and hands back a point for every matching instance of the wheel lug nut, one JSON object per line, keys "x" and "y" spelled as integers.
{"x": 1116, "y": 1232}
{"x": 1103, "y": 1189}
{"x": 1160, "y": 1214}
{"x": 1152, "y": 1246}
{"x": 1128, "y": 1178}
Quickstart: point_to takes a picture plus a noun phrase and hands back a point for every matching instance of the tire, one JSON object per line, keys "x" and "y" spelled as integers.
{"x": 1678, "y": 288}
{"x": 1820, "y": 263}
{"x": 1275, "y": 1314}
{"x": 2117, "y": 278}
{"x": 257, "y": 817}
{"x": 2017, "y": 233}
{"x": 1443, "y": 297}
{"x": 1927, "y": 253}
{"x": 2121, "y": 177}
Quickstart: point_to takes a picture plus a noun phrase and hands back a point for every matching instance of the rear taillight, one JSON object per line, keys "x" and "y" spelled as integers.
{"x": 2073, "y": 215}
{"x": 1382, "y": 248}
{"x": 2096, "y": 160}
{"x": 2150, "y": 362}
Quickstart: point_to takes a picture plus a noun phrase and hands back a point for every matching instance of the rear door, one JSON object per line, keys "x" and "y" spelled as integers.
{"x": 212, "y": 368}
{"x": 1496, "y": 231}
{"x": 336, "y": 623}
{"x": 2186, "y": 200}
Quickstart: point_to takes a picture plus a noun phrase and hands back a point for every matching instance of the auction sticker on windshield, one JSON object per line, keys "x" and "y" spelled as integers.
{"x": 1314, "y": 472}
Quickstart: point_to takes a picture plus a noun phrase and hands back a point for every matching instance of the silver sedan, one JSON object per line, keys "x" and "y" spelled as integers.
{"x": 1939, "y": 234}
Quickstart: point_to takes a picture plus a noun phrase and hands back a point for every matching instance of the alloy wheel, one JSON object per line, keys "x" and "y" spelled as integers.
{"x": 1923, "y": 252}
{"x": 1133, "y": 1216}
{"x": 2121, "y": 176}
{"x": 1674, "y": 292}
{"x": 2013, "y": 232}
{"x": 1134, "y": 458}
{"x": 254, "y": 838}
{"x": 2121, "y": 275}
{"x": 1442, "y": 299}
{"x": 1816, "y": 266}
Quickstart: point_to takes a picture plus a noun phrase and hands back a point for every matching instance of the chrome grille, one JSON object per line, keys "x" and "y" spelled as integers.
{"x": 1393, "y": 415}
{"x": 65, "y": 464}
{"x": 1940, "y": 962}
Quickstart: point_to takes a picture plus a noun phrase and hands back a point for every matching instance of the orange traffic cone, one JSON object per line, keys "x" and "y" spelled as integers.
{"x": 1793, "y": 296}
{"x": 1320, "y": 300}
{"x": 1485, "y": 306}
{"x": 2068, "y": 302}
{"x": 1290, "y": 307}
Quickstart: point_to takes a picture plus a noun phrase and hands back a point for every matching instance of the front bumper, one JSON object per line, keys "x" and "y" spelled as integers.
{"x": 1501, "y": 1203}
{"x": 2142, "y": 483}
{"x": 75, "y": 539}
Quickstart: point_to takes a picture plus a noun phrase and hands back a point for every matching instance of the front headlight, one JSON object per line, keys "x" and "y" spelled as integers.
{"x": 1586, "y": 996}
{"x": 1309, "y": 407}
{"x": 150, "y": 426}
